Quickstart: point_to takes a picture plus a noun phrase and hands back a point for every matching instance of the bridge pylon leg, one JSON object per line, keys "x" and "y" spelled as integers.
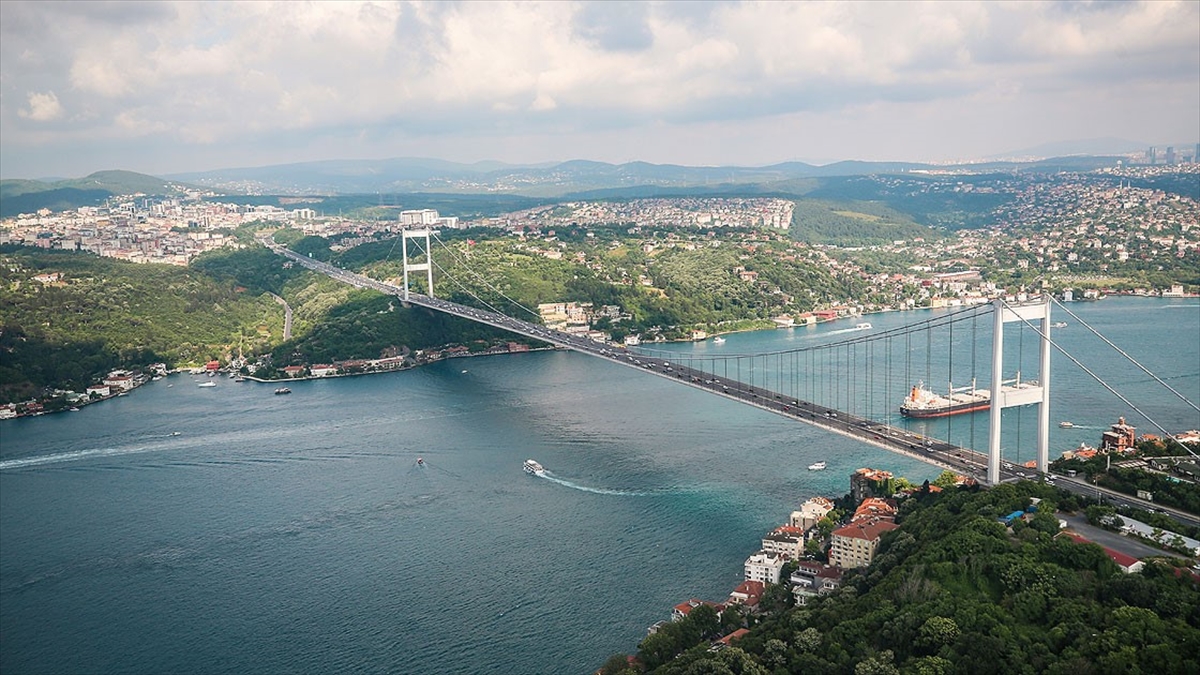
{"x": 1018, "y": 393}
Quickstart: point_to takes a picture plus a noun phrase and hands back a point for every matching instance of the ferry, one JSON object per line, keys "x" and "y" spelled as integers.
{"x": 863, "y": 326}
{"x": 533, "y": 468}
{"x": 819, "y": 466}
{"x": 718, "y": 340}
{"x": 282, "y": 390}
{"x": 923, "y": 403}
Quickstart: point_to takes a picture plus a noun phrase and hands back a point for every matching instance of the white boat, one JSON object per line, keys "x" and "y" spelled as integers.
{"x": 533, "y": 468}
{"x": 1059, "y": 324}
{"x": 210, "y": 383}
{"x": 1066, "y": 425}
{"x": 863, "y": 326}
{"x": 819, "y": 466}
{"x": 718, "y": 340}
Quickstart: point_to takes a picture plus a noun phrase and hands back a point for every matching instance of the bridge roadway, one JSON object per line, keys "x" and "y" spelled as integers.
{"x": 932, "y": 451}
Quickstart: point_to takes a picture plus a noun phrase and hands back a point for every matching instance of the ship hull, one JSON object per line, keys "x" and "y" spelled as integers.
{"x": 956, "y": 409}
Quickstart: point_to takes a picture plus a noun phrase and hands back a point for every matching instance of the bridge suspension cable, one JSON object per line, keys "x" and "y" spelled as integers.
{"x": 1132, "y": 360}
{"x": 1106, "y": 385}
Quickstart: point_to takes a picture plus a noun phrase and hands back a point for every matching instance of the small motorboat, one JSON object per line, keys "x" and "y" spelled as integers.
{"x": 420, "y": 461}
{"x": 533, "y": 468}
{"x": 282, "y": 390}
{"x": 718, "y": 340}
{"x": 1066, "y": 425}
{"x": 818, "y": 466}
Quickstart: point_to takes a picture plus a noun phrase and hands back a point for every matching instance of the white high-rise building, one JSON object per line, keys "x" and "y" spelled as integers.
{"x": 419, "y": 217}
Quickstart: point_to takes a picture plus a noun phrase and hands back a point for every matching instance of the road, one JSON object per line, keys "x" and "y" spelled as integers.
{"x": 894, "y": 439}
{"x": 287, "y": 317}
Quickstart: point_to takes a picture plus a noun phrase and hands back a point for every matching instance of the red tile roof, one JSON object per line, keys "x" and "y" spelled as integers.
{"x": 869, "y": 530}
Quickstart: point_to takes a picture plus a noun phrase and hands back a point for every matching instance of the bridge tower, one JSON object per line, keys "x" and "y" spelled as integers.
{"x": 1011, "y": 393}
{"x": 426, "y": 266}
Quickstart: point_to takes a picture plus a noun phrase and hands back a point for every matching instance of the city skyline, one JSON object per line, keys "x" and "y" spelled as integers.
{"x": 176, "y": 87}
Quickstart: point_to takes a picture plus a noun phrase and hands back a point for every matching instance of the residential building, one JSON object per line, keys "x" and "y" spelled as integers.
{"x": 786, "y": 540}
{"x": 855, "y": 544}
{"x": 811, "y": 512}
{"x": 1119, "y": 438}
{"x": 867, "y": 482}
{"x": 764, "y": 567}
{"x": 680, "y": 611}
{"x": 811, "y": 578}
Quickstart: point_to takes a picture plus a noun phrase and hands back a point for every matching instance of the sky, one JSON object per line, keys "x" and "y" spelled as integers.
{"x": 162, "y": 87}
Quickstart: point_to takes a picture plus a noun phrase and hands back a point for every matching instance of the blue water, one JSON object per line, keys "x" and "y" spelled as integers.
{"x": 298, "y": 534}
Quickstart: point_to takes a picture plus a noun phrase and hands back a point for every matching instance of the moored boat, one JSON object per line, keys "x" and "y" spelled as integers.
{"x": 923, "y": 403}
{"x": 533, "y": 468}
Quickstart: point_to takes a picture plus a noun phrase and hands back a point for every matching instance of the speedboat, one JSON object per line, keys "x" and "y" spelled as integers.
{"x": 283, "y": 390}
{"x": 819, "y": 466}
{"x": 420, "y": 461}
{"x": 718, "y": 340}
{"x": 863, "y": 326}
{"x": 1066, "y": 425}
{"x": 1059, "y": 324}
{"x": 533, "y": 468}
{"x": 210, "y": 383}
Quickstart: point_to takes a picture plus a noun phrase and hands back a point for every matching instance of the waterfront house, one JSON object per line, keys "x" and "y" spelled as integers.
{"x": 323, "y": 370}
{"x": 811, "y": 512}
{"x": 293, "y": 371}
{"x": 747, "y": 594}
{"x": 764, "y": 567}
{"x": 680, "y": 611}
{"x": 785, "y": 540}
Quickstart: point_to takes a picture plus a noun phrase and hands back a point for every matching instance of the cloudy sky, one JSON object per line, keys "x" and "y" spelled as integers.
{"x": 170, "y": 87}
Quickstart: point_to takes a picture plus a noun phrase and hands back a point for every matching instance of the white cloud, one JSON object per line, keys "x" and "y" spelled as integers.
{"x": 42, "y": 107}
{"x": 240, "y": 74}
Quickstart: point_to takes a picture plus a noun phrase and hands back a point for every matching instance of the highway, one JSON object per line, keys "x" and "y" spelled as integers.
{"x": 894, "y": 439}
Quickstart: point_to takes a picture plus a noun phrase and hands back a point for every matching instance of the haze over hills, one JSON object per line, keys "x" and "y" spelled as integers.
{"x": 573, "y": 179}
{"x": 556, "y": 180}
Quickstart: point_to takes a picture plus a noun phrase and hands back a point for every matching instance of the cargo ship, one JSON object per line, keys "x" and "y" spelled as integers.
{"x": 922, "y": 403}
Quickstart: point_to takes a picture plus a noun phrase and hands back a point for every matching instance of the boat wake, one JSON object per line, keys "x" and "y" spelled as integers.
{"x": 73, "y": 456}
{"x": 596, "y": 491}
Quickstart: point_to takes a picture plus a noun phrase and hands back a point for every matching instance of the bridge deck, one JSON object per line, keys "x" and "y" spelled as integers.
{"x": 893, "y": 439}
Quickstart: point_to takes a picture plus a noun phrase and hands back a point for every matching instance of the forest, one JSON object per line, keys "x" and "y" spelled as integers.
{"x": 100, "y": 314}
{"x": 955, "y": 591}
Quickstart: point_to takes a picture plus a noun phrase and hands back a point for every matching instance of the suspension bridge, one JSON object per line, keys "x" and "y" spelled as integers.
{"x": 847, "y": 387}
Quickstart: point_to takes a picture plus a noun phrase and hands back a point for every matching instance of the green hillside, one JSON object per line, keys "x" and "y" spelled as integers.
{"x": 104, "y": 314}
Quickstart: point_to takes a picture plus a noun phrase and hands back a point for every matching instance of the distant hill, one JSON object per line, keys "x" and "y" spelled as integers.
{"x": 570, "y": 178}
{"x": 27, "y": 196}
{"x": 19, "y": 196}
